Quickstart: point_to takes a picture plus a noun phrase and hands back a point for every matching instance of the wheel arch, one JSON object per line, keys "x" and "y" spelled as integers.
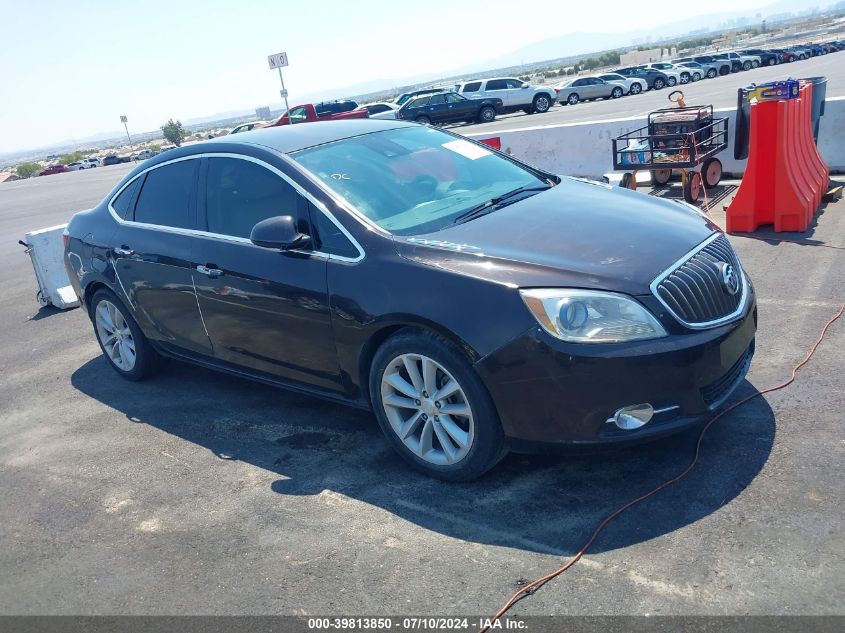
{"x": 392, "y": 326}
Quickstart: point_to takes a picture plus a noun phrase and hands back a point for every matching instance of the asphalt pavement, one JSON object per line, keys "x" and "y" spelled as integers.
{"x": 199, "y": 493}
{"x": 719, "y": 92}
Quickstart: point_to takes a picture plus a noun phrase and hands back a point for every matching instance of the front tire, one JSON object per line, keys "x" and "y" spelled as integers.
{"x": 658, "y": 83}
{"x": 746, "y": 66}
{"x": 123, "y": 344}
{"x": 541, "y": 104}
{"x": 434, "y": 408}
{"x": 711, "y": 73}
{"x": 636, "y": 88}
{"x": 685, "y": 78}
{"x": 616, "y": 93}
{"x": 423, "y": 120}
{"x": 573, "y": 98}
{"x": 672, "y": 82}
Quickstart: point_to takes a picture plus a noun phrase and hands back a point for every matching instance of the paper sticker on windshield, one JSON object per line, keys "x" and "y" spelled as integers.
{"x": 465, "y": 148}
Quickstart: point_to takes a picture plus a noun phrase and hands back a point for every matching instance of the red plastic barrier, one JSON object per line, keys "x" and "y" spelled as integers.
{"x": 786, "y": 177}
{"x": 495, "y": 142}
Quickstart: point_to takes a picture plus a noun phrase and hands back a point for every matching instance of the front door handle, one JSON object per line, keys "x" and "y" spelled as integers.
{"x": 210, "y": 271}
{"x": 123, "y": 251}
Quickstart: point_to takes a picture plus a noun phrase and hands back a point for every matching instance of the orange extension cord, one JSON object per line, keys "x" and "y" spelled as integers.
{"x": 531, "y": 587}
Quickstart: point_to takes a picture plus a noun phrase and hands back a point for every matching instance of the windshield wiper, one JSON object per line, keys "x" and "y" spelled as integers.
{"x": 496, "y": 203}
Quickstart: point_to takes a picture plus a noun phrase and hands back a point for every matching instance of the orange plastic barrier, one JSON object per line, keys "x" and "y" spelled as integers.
{"x": 495, "y": 142}
{"x": 786, "y": 177}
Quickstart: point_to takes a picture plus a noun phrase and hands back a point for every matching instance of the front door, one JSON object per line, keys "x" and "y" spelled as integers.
{"x": 264, "y": 309}
{"x": 152, "y": 259}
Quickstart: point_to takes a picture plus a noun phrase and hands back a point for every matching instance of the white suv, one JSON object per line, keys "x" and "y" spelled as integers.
{"x": 514, "y": 93}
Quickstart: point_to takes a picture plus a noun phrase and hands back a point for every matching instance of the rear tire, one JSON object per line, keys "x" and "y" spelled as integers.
{"x": 453, "y": 446}
{"x": 123, "y": 344}
{"x": 711, "y": 73}
{"x": 671, "y": 82}
{"x": 616, "y": 93}
{"x": 658, "y": 84}
{"x": 423, "y": 120}
{"x": 685, "y": 78}
{"x": 746, "y": 65}
{"x": 711, "y": 172}
{"x": 487, "y": 114}
{"x": 573, "y": 98}
{"x": 636, "y": 88}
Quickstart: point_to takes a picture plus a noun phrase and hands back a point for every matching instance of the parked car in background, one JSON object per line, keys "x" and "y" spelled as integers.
{"x": 90, "y": 163}
{"x": 75, "y": 166}
{"x": 449, "y": 107}
{"x": 785, "y": 55}
{"x": 247, "y": 127}
{"x": 633, "y": 85}
{"x": 562, "y": 313}
{"x": 712, "y": 67}
{"x": 382, "y": 110}
{"x": 578, "y": 89}
{"x": 801, "y": 52}
{"x": 325, "y": 111}
{"x": 405, "y": 96}
{"x": 767, "y": 58}
{"x": 144, "y": 154}
{"x": 114, "y": 159}
{"x": 54, "y": 169}
{"x": 697, "y": 72}
{"x": 514, "y": 93}
{"x": 655, "y": 79}
{"x": 673, "y": 77}
{"x": 681, "y": 75}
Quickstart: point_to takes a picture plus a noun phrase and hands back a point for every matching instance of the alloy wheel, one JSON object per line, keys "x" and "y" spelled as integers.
{"x": 115, "y": 335}
{"x": 427, "y": 409}
{"x": 542, "y": 104}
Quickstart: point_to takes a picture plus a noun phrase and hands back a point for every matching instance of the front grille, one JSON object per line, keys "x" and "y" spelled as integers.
{"x": 694, "y": 291}
{"x": 718, "y": 391}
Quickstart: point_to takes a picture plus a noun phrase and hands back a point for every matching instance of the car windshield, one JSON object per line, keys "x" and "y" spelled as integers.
{"x": 414, "y": 180}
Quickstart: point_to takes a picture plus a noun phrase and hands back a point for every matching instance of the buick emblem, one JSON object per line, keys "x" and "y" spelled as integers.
{"x": 729, "y": 277}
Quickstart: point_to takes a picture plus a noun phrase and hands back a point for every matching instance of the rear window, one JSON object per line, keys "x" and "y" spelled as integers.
{"x": 165, "y": 197}
{"x": 472, "y": 87}
{"x": 497, "y": 84}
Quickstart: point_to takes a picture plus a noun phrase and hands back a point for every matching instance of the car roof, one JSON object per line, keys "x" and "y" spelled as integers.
{"x": 290, "y": 138}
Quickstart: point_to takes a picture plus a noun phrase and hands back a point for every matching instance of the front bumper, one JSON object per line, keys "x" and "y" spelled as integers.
{"x": 551, "y": 392}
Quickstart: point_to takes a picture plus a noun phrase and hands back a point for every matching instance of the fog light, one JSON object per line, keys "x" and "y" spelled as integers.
{"x": 633, "y": 416}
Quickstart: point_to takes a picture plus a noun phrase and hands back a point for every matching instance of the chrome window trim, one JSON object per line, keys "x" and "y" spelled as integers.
{"x": 743, "y": 300}
{"x": 232, "y": 238}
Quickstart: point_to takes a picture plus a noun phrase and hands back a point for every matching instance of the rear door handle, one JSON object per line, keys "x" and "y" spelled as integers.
{"x": 210, "y": 271}
{"x": 123, "y": 251}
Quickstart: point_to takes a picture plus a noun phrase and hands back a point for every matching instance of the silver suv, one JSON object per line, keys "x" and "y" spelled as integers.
{"x": 514, "y": 93}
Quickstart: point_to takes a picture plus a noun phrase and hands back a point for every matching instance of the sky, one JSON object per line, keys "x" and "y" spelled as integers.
{"x": 70, "y": 69}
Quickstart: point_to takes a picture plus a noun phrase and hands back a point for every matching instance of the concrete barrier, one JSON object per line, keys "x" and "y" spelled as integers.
{"x": 584, "y": 149}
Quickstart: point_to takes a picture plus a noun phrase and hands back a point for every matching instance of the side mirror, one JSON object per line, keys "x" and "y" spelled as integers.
{"x": 524, "y": 86}
{"x": 280, "y": 233}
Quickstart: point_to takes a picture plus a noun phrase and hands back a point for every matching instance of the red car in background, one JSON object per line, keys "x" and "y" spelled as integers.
{"x": 53, "y": 169}
{"x": 325, "y": 111}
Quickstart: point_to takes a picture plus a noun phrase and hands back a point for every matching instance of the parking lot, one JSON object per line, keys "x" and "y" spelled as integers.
{"x": 198, "y": 493}
{"x": 719, "y": 91}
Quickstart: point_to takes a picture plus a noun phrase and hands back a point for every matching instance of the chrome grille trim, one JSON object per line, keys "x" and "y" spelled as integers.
{"x": 686, "y": 288}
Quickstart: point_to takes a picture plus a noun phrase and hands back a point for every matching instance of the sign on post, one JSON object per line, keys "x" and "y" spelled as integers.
{"x": 279, "y": 60}
{"x": 123, "y": 118}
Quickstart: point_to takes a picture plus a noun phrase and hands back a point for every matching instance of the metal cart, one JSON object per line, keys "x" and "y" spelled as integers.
{"x": 686, "y": 138}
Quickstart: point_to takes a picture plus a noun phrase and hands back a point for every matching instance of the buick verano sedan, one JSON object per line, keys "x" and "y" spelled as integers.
{"x": 476, "y": 304}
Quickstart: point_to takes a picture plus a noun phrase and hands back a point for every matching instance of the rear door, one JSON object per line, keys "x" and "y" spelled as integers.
{"x": 460, "y": 108}
{"x": 264, "y": 309}
{"x": 153, "y": 263}
{"x": 502, "y": 89}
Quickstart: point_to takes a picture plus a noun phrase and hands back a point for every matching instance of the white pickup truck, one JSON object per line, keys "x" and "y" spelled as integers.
{"x": 514, "y": 93}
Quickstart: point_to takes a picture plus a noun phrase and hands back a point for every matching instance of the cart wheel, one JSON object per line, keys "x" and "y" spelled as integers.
{"x": 692, "y": 187}
{"x": 711, "y": 172}
{"x": 628, "y": 181}
{"x": 660, "y": 177}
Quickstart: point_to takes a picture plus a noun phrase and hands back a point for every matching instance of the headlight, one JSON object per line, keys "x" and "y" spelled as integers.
{"x": 591, "y": 316}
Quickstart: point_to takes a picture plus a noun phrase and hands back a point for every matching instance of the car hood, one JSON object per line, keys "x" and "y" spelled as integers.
{"x": 579, "y": 233}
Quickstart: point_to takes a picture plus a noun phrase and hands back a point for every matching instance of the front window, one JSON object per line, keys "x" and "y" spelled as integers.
{"x": 298, "y": 115}
{"x": 414, "y": 180}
